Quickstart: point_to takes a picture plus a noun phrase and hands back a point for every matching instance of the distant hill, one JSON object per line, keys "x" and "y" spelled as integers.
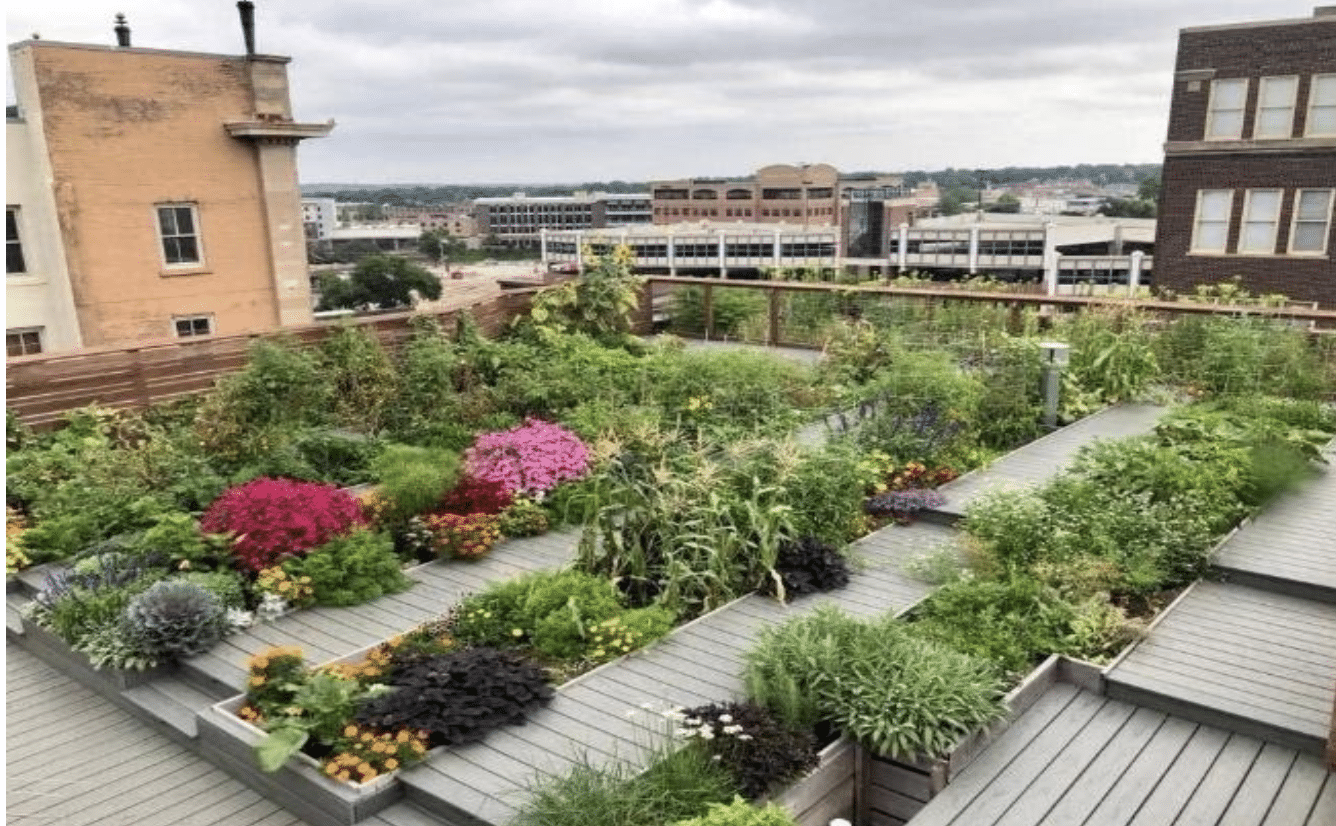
{"x": 441, "y": 194}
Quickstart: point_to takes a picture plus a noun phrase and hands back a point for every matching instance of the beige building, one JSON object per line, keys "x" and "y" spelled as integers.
{"x": 150, "y": 194}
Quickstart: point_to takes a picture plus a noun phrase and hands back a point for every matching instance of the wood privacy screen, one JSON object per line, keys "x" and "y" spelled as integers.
{"x": 41, "y": 388}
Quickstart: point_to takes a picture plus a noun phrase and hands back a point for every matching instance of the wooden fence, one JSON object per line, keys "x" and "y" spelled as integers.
{"x": 41, "y": 388}
{"x": 1015, "y": 302}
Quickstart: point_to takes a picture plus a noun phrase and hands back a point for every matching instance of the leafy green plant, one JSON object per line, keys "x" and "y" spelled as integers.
{"x": 351, "y": 569}
{"x": 362, "y": 380}
{"x": 226, "y": 586}
{"x": 413, "y": 479}
{"x": 730, "y": 308}
{"x": 741, "y": 813}
{"x": 174, "y": 619}
{"x": 523, "y": 517}
{"x": 599, "y": 303}
{"x": 758, "y": 752}
{"x": 894, "y": 692}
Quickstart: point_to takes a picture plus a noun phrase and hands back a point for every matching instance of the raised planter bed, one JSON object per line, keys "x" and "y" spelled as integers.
{"x": 109, "y": 682}
{"x": 829, "y": 790}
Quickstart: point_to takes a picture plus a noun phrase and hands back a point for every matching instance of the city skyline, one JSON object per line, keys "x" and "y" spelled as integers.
{"x": 520, "y": 91}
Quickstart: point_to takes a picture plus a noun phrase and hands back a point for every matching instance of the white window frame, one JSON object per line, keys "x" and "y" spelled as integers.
{"x": 1329, "y": 104}
{"x": 1270, "y": 82}
{"x": 40, "y": 332}
{"x": 1195, "y": 247}
{"x": 1248, "y": 218}
{"x": 166, "y": 239}
{"x": 193, "y": 320}
{"x": 1211, "y": 109}
{"x": 12, "y": 220}
{"x": 1295, "y": 220}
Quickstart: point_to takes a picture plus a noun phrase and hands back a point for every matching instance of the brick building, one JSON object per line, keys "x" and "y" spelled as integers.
{"x": 1250, "y": 163}
{"x": 150, "y": 194}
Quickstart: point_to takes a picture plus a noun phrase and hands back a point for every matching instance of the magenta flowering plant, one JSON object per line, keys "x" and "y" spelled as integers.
{"x": 276, "y": 518}
{"x": 530, "y": 459}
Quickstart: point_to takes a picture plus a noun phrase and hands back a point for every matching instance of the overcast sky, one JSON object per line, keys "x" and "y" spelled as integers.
{"x": 469, "y": 91}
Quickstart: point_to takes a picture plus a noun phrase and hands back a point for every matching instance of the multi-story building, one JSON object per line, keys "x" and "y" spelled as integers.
{"x": 518, "y": 219}
{"x": 779, "y": 193}
{"x": 1250, "y": 163}
{"x": 319, "y": 217}
{"x": 150, "y": 194}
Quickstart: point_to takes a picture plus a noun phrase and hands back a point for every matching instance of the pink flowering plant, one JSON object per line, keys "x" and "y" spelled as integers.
{"x": 528, "y": 460}
{"x": 273, "y": 519}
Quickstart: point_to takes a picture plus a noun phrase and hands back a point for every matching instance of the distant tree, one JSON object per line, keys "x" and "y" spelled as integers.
{"x": 1149, "y": 189}
{"x": 1127, "y": 208}
{"x": 1006, "y": 202}
{"x": 383, "y": 281}
{"x": 951, "y": 202}
{"x": 437, "y": 244}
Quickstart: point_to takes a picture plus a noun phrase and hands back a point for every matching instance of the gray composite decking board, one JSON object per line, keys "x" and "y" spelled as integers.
{"x": 1234, "y": 700}
{"x": 1128, "y": 791}
{"x": 1044, "y": 458}
{"x": 1098, "y": 776}
{"x": 76, "y": 791}
{"x": 1253, "y": 798}
{"x": 1224, "y": 647}
{"x": 1162, "y": 801}
{"x": 1294, "y": 536}
{"x": 1002, "y": 773}
{"x": 1324, "y": 810}
{"x": 1213, "y": 794}
{"x": 1295, "y": 800}
{"x": 1151, "y": 770}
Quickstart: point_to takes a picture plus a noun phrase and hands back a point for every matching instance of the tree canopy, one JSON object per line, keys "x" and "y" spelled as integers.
{"x": 383, "y": 281}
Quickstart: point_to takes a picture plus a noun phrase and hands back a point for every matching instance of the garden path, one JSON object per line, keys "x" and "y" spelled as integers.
{"x": 1256, "y": 653}
{"x": 1045, "y": 457}
{"x": 1080, "y": 758}
{"x": 74, "y": 758}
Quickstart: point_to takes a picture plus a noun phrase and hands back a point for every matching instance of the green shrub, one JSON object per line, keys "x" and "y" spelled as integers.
{"x": 351, "y": 569}
{"x": 742, "y": 813}
{"x": 892, "y": 691}
{"x": 524, "y": 517}
{"x": 226, "y": 586}
{"x": 174, "y": 619}
{"x": 362, "y": 381}
{"x": 413, "y": 479}
{"x": 679, "y": 783}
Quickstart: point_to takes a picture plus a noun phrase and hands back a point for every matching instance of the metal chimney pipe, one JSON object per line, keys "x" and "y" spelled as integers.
{"x": 247, "y": 10}
{"x": 122, "y": 32}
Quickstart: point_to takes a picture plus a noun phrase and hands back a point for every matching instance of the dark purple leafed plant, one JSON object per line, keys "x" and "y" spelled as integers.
{"x": 901, "y": 505}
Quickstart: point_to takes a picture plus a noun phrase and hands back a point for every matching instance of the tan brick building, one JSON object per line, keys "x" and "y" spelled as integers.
{"x": 167, "y": 181}
{"x": 1249, "y": 180}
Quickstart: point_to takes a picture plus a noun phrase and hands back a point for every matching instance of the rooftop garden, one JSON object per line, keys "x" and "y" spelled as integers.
{"x": 322, "y": 476}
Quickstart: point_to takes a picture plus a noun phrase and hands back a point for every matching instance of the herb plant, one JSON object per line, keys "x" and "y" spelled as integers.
{"x": 351, "y": 569}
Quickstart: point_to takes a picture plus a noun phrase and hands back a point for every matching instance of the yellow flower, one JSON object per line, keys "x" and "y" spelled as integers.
{"x": 368, "y": 736}
{"x": 403, "y": 736}
{"x": 419, "y": 748}
{"x": 257, "y": 680}
{"x": 391, "y": 764}
{"x": 350, "y": 731}
{"x": 344, "y": 776}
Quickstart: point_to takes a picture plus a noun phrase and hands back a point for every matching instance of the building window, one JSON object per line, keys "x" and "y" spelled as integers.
{"x": 1224, "y": 114}
{"x": 13, "y": 245}
{"x": 190, "y": 326}
{"x": 1261, "y": 216}
{"x": 1312, "y": 221}
{"x": 1210, "y": 231}
{"x": 179, "y": 232}
{"x": 23, "y": 342}
{"x": 1322, "y": 106}
{"x": 1275, "y": 107}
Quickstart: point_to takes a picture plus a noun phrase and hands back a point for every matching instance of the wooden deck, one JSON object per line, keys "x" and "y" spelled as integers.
{"x": 1044, "y": 458}
{"x": 603, "y": 716}
{"x": 1252, "y": 661}
{"x": 1079, "y": 759}
{"x": 1291, "y": 546}
{"x": 74, "y": 758}
{"x": 328, "y": 633}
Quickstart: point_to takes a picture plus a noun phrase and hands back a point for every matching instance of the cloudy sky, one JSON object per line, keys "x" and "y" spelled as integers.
{"x": 469, "y": 91}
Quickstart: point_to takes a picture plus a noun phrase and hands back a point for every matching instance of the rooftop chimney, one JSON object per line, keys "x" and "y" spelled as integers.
{"x": 122, "y": 32}
{"x": 247, "y": 10}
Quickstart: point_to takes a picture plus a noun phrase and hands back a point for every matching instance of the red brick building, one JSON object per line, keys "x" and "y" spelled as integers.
{"x": 1250, "y": 164}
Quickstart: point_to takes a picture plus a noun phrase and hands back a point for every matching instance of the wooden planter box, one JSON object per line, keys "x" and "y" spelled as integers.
{"x": 894, "y": 790}
{"x": 828, "y": 791}
{"x": 229, "y": 741}
{"x": 109, "y": 682}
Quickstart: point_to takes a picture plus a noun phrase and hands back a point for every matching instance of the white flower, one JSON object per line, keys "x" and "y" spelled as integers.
{"x": 238, "y": 619}
{"x": 744, "y": 737}
{"x": 706, "y": 734}
{"x": 725, "y": 718}
{"x": 732, "y": 729}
